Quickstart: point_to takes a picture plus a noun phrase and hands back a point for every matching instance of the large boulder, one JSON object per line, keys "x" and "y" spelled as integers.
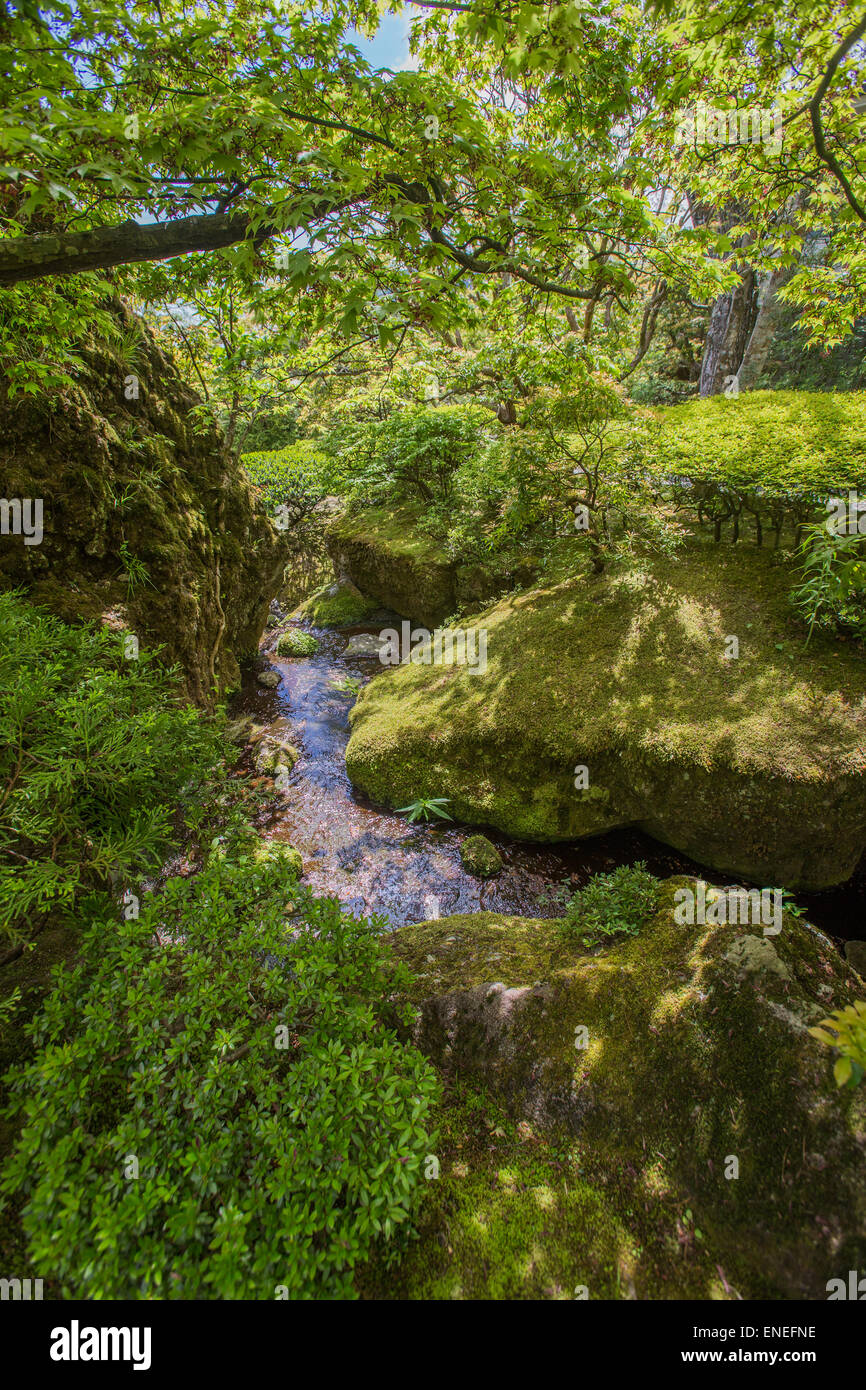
{"x": 680, "y": 1057}
{"x": 149, "y": 524}
{"x": 383, "y": 552}
{"x": 611, "y": 702}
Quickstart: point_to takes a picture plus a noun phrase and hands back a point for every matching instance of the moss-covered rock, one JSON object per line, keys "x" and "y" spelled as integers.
{"x": 611, "y": 702}
{"x": 274, "y": 757}
{"x": 297, "y": 643}
{"x": 250, "y": 846}
{"x": 148, "y": 524}
{"x": 386, "y": 556}
{"x": 337, "y": 605}
{"x": 480, "y": 857}
{"x": 669, "y": 1056}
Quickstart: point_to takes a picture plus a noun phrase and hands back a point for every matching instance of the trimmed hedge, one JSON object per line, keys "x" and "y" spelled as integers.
{"x": 776, "y": 455}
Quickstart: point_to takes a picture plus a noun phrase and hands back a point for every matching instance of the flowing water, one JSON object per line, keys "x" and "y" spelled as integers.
{"x": 374, "y": 861}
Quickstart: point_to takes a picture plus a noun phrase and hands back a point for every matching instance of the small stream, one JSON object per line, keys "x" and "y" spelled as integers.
{"x": 375, "y": 862}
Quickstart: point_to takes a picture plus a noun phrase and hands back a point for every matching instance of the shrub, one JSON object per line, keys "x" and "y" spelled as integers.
{"x": 413, "y": 454}
{"x": 218, "y": 1107}
{"x": 98, "y": 764}
{"x": 774, "y": 455}
{"x": 831, "y": 594}
{"x": 292, "y": 481}
{"x": 612, "y": 904}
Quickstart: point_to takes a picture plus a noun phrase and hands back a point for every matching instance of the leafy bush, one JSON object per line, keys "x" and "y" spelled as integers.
{"x": 774, "y": 455}
{"x": 831, "y": 594}
{"x": 413, "y": 454}
{"x": 612, "y": 904}
{"x": 293, "y": 481}
{"x": 217, "y": 1107}
{"x": 849, "y": 1036}
{"x": 98, "y": 763}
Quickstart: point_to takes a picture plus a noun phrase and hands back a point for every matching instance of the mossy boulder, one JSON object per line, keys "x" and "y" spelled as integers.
{"x": 669, "y": 1056}
{"x": 297, "y": 643}
{"x": 337, "y": 605}
{"x": 383, "y": 552}
{"x": 275, "y": 757}
{"x": 480, "y": 857}
{"x": 610, "y": 702}
{"x": 149, "y": 524}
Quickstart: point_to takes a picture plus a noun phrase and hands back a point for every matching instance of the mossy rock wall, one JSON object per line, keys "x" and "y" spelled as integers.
{"x": 114, "y": 471}
{"x": 753, "y": 766}
{"x": 696, "y": 1051}
{"x": 382, "y": 551}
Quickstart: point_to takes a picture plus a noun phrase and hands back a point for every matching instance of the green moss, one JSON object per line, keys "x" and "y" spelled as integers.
{"x": 297, "y": 643}
{"x": 753, "y": 764}
{"x": 513, "y": 1216}
{"x": 337, "y": 605}
{"x": 390, "y": 559}
{"x": 480, "y": 857}
{"x": 695, "y": 1051}
{"x": 257, "y": 850}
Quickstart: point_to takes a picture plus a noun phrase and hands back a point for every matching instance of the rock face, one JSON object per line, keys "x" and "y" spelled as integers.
{"x": 671, "y": 1054}
{"x": 383, "y": 553}
{"x": 611, "y": 702}
{"x": 147, "y": 524}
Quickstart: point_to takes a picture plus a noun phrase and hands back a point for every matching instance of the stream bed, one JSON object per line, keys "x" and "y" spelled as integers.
{"x": 376, "y": 862}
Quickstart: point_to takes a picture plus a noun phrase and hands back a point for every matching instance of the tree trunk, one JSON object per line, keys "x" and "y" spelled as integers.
{"x": 770, "y": 311}
{"x": 731, "y": 320}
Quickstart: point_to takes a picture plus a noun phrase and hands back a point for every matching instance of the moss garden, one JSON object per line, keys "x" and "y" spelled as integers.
{"x": 523, "y": 958}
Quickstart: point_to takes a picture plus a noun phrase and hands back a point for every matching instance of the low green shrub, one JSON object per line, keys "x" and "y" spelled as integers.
{"x": 831, "y": 593}
{"x": 613, "y": 904}
{"x": 99, "y": 764}
{"x": 294, "y": 480}
{"x": 772, "y": 456}
{"x": 218, "y": 1107}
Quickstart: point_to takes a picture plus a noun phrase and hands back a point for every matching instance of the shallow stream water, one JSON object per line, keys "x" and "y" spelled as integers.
{"x": 374, "y": 861}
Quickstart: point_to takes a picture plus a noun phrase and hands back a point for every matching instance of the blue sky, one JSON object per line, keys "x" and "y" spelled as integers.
{"x": 390, "y": 47}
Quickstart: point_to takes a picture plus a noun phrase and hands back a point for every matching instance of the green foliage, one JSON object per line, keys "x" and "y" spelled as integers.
{"x": 831, "y": 594}
{"x": 414, "y": 454}
{"x": 849, "y": 1037}
{"x": 231, "y": 1041}
{"x": 134, "y": 569}
{"x": 297, "y": 643}
{"x": 774, "y": 455}
{"x": 425, "y": 808}
{"x": 613, "y": 904}
{"x": 292, "y": 481}
{"x": 98, "y": 764}
{"x": 351, "y": 685}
